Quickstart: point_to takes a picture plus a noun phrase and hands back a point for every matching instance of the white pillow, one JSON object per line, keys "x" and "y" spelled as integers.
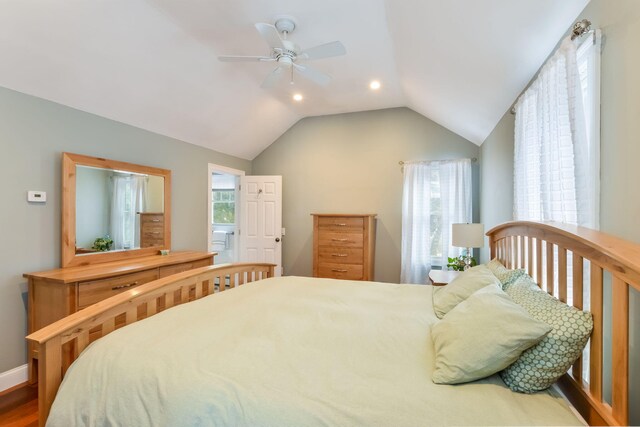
{"x": 445, "y": 298}
{"x": 481, "y": 336}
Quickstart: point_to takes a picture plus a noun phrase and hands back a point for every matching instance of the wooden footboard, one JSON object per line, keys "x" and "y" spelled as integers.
{"x": 556, "y": 255}
{"x": 60, "y": 343}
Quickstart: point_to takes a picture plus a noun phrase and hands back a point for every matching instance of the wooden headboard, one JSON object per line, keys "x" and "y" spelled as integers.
{"x": 556, "y": 255}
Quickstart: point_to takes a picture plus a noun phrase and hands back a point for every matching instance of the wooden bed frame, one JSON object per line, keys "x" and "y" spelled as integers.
{"x": 60, "y": 343}
{"x": 537, "y": 247}
{"x": 542, "y": 249}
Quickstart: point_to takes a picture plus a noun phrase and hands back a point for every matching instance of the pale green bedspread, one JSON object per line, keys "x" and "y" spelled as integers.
{"x": 287, "y": 351}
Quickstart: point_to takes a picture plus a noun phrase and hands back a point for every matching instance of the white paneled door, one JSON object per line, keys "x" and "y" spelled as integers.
{"x": 261, "y": 220}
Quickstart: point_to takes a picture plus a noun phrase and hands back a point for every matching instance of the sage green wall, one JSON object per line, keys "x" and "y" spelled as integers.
{"x": 348, "y": 163}
{"x": 619, "y": 21}
{"x": 496, "y": 177}
{"x": 33, "y": 134}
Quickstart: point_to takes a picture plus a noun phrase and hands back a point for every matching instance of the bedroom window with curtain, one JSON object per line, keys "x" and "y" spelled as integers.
{"x": 128, "y": 197}
{"x": 435, "y": 195}
{"x": 557, "y": 146}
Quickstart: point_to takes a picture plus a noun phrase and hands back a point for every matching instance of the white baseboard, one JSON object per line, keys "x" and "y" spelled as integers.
{"x": 13, "y": 377}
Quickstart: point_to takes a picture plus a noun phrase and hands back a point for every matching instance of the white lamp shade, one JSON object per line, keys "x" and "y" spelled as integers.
{"x": 467, "y": 235}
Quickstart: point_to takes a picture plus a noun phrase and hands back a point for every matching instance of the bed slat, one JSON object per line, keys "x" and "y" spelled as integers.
{"x": 530, "y": 256}
{"x": 152, "y": 307}
{"x": 620, "y": 350}
{"x": 539, "y": 262}
{"x": 550, "y": 275}
{"x": 595, "y": 351}
{"x": 81, "y": 343}
{"x": 562, "y": 274}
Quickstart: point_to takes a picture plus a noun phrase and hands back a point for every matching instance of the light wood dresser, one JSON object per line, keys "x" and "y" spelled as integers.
{"x": 344, "y": 246}
{"x": 57, "y": 293}
{"x": 151, "y": 229}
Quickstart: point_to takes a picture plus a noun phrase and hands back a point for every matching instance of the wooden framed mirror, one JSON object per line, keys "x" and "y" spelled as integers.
{"x": 113, "y": 210}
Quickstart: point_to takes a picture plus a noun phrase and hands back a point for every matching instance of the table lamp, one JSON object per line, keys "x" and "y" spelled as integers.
{"x": 467, "y": 236}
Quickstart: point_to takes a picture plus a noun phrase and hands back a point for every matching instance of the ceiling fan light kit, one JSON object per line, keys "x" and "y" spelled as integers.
{"x": 288, "y": 54}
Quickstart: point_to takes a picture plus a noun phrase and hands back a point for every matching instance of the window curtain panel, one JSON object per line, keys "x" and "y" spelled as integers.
{"x": 140, "y": 193}
{"x": 129, "y": 196}
{"x": 118, "y": 195}
{"x": 425, "y": 185}
{"x": 554, "y": 165}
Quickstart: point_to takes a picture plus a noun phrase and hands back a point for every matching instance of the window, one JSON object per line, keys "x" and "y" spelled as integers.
{"x": 435, "y": 195}
{"x": 556, "y": 161}
{"x": 435, "y": 219}
{"x": 129, "y": 196}
{"x": 224, "y": 206}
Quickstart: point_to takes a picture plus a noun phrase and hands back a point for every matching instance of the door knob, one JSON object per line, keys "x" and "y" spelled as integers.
{"x": 277, "y": 239}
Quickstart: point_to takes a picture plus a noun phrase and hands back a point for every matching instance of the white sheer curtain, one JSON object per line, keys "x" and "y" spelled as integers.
{"x": 455, "y": 196}
{"x": 129, "y": 196}
{"x": 556, "y": 172}
{"x": 118, "y": 199}
{"x": 140, "y": 202}
{"x": 435, "y": 195}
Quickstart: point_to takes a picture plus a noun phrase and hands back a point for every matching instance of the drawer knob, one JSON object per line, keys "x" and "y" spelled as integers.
{"x": 340, "y": 240}
{"x": 115, "y": 288}
{"x": 340, "y": 255}
{"x": 340, "y": 224}
{"x": 338, "y": 270}
{"x": 155, "y": 220}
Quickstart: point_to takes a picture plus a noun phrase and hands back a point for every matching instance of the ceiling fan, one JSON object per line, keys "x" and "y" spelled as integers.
{"x": 288, "y": 54}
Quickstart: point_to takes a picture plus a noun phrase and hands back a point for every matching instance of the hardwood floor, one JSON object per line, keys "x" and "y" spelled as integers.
{"x": 19, "y": 407}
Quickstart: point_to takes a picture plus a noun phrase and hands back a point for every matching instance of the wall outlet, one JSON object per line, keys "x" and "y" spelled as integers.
{"x": 37, "y": 196}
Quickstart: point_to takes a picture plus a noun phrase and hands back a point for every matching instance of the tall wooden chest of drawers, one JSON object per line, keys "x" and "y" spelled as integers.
{"x": 151, "y": 229}
{"x": 344, "y": 246}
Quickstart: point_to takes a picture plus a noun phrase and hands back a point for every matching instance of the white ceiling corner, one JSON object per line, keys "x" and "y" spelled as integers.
{"x": 153, "y": 63}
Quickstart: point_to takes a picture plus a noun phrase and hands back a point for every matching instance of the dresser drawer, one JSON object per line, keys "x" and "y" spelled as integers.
{"x": 340, "y": 271}
{"x": 340, "y": 223}
{"x": 340, "y": 255}
{"x": 97, "y": 290}
{"x": 152, "y": 219}
{"x": 340, "y": 240}
{"x": 179, "y": 268}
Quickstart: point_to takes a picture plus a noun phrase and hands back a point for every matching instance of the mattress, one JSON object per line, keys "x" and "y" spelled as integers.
{"x": 287, "y": 351}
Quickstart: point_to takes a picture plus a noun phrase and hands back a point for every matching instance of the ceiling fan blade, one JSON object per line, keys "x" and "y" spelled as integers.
{"x": 314, "y": 75}
{"x": 326, "y": 50}
{"x": 235, "y": 58}
{"x": 272, "y": 78}
{"x": 270, "y": 35}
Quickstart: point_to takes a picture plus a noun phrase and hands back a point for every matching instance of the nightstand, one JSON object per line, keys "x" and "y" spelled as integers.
{"x": 441, "y": 278}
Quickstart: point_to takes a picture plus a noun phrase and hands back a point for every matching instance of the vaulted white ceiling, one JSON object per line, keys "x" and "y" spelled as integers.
{"x": 153, "y": 63}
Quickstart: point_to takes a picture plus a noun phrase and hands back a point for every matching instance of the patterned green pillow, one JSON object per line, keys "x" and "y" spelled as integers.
{"x": 503, "y": 274}
{"x": 541, "y": 365}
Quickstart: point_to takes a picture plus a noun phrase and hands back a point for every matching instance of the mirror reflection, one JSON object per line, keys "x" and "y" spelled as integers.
{"x": 118, "y": 210}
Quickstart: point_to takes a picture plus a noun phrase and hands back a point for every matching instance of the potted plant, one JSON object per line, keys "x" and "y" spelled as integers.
{"x": 458, "y": 263}
{"x": 102, "y": 244}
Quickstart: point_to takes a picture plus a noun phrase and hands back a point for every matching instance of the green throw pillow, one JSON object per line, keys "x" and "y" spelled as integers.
{"x": 481, "y": 336}
{"x": 445, "y": 298}
{"x": 541, "y": 365}
{"x": 503, "y": 274}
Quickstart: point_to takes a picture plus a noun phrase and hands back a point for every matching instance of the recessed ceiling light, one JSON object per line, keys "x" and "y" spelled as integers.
{"x": 297, "y": 97}
{"x": 374, "y": 85}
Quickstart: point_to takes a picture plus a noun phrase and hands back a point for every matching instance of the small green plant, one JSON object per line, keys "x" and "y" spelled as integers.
{"x": 458, "y": 263}
{"x": 102, "y": 244}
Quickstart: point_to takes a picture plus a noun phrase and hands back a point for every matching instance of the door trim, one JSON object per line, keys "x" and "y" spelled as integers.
{"x": 226, "y": 170}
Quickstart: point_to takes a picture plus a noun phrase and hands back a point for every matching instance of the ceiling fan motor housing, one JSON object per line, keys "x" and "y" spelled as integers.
{"x": 285, "y": 24}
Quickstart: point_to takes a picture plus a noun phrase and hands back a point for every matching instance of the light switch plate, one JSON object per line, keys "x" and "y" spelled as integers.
{"x": 37, "y": 196}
